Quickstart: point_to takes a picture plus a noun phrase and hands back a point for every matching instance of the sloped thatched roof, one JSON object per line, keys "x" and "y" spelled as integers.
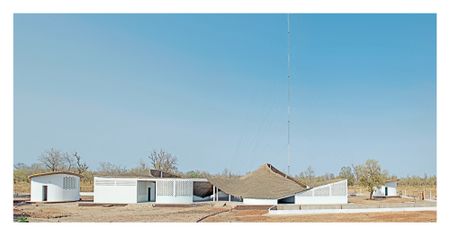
{"x": 266, "y": 182}
{"x": 203, "y": 189}
{"x": 55, "y": 173}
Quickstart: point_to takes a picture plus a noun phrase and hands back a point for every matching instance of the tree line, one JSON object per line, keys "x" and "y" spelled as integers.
{"x": 368, "y": 175}
{"x": 55, "y": 160}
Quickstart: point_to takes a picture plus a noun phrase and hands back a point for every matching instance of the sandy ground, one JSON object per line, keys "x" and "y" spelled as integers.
{"x": 71, "y": 212}
{"x": 258, "y": 216}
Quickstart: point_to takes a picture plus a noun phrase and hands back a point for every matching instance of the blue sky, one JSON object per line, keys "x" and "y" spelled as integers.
{"x": 212, "y": 89}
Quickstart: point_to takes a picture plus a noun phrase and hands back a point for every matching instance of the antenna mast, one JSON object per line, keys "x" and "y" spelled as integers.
{"x": 289, "y": 92}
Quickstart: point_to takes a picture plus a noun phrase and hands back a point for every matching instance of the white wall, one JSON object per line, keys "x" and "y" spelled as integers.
{"x": 133, "y": 190}
{"x": 379, "y": 192}
{"x": 142, "y": 191}
{"x": 55, "y": 190}
{"x": 255, "y": 201}
{"x": 321, "y": 200}
{"x": 168, "y": 192}
{"x": 175, "y": 199}
{"x": 392, "y": 191}
{"x": 115, "y": 190}
{"x": 334, "y": 193}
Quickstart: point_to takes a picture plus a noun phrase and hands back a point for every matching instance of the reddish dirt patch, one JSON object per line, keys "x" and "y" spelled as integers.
{"x": 258, "y": 216}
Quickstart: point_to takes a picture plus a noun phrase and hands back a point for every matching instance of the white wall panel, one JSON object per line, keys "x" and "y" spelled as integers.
{"x": 333, "y": 193}
{"x": 107, "y": 192}
{"x": 255, "y": 201}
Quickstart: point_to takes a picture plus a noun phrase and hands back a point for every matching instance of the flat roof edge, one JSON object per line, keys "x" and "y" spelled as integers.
{"x": 149, "y": 178}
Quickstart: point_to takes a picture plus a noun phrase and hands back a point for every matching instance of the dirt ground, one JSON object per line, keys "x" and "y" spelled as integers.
{"x": 71, "y": 212}
{"x": 258, "y": 216}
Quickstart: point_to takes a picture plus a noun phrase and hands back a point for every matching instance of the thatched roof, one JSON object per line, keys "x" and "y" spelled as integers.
{"x": 266, "y": 182}
{"x": 54, "y": 173}
{"x": 203, "y": 189}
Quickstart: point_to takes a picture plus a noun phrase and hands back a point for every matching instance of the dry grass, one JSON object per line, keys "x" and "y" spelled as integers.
{"x": 22, "y": 187}
{"x": 365, "y": 200}
{"x": 417, "y": 191}
{"x": 86, "y": 187}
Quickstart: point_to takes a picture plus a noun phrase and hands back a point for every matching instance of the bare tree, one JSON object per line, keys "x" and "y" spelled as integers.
{"x": 163, "y": 161}
{"x": 347, "y": 173}
{"x": 227, "y": 173}
{"x": 81, "y": 166}
{"x": 69, "y": 162}
{"x": 307, "y": 176}
{"x": 141, "y": 169}
{"x": 107, "y": 168}
{"x": 52, "y": 159}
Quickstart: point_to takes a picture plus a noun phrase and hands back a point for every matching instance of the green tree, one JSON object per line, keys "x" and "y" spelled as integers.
{"x": 370, "y": 175}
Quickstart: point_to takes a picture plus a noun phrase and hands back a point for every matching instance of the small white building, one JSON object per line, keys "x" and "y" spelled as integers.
{"x": 145, "y": 189}
{"x": 60, "y": 186}
{"x": 389, "y": 189}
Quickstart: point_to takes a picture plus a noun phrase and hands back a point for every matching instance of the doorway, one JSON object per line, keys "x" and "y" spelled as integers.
{"x": 44, "y": 193}
{"x": 385, "y": 191}
{"x": 149, "y": 196}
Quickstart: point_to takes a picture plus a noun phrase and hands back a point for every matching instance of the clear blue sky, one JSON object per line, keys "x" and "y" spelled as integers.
{"x": 212, "y": 89}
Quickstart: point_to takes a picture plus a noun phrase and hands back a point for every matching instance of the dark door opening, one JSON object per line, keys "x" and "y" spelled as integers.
{"x": 44, "y": 193}
{"x": 385, "y": 191}
{"x": 287, "y": 200}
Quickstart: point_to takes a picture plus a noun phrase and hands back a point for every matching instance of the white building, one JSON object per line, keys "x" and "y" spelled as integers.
{"x": 264, "y": 186}
{"x": 269, "y": 186}
{"x": 60, "y": 186}
{"x": 389, "y": 189}
{"x": 146, "y": 189}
